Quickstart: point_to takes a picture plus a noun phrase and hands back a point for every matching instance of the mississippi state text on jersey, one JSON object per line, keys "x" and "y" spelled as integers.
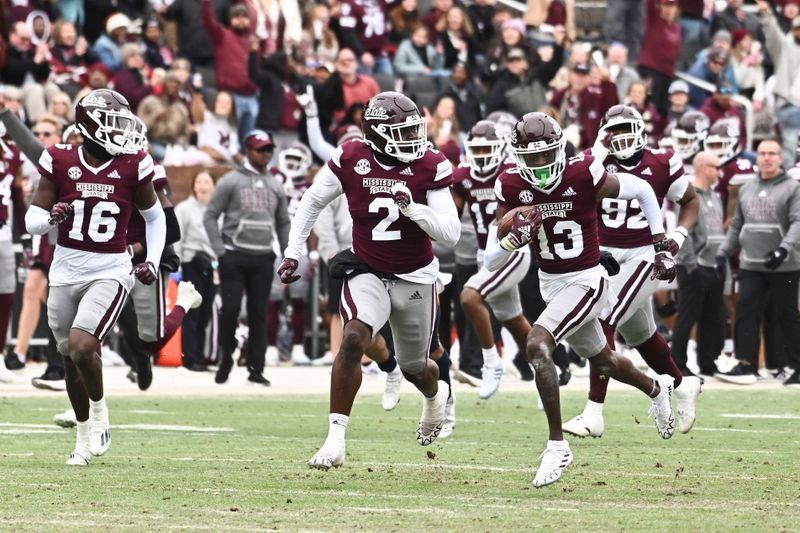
{"x": 479, "y": 197}
{"x": 736, "y": 173}
{"x": 622, "y": 223}
{"x": 382, "y": 237}
{"x": 567, "y": 240}
{"x": 101, "y": 196}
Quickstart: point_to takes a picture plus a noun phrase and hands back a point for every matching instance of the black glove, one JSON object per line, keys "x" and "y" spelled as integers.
{"x": 776, "y": 257}
{"x": 609, "y": 263}
{"x": 721, "y": 266}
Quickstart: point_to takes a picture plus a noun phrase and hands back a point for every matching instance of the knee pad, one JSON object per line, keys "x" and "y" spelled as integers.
{"x": 412, "y": 368}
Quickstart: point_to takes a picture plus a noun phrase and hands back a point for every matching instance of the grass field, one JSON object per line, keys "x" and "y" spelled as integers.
{"x": 240, "y": 466}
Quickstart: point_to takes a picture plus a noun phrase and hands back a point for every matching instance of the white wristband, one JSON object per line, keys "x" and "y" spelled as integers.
{"x": 679, "y": 235}
{"x": 313, "y": 255}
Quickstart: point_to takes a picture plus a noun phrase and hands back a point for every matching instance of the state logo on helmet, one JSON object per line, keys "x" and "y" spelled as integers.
{"x": 723, "y": 139}
{"x": 538, "y": 148}
{"x": 689, "y": 133}
{"x": 626, "y": 126}
{"x": 484, "y": 149}
{"x": 105, "y": 117}
{"x": 393, "y": 125}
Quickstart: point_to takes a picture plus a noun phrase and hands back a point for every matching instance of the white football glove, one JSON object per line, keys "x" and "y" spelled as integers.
{"x": 308, "y": 102}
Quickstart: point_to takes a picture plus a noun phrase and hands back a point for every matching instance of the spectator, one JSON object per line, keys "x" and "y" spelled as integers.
{"x": 766, "y": 226}
{"x": 584, "y": 102}
{"x": 516, "y": 89}
{"x": 481, "y": 14}
{"x": 39, "y": 25}
{"x": 72, "y": 56}
{"x": 28, "y": 68}
{"x": 787, "y": 13}
{"x": 345, "y": 88}
{"x": 156, "y": 53}
{"x": 678, "y": 100}
{"x": 457, "y": 36}
{"x": 278, "y": 23}
{"x": 443, "y": 129}
{"x": 578, "y": 55}
{"x": 625, "y": 21}
{"x": 97, "y": 78}
{"x": 217, "y": 134}
{"x": 512, "y": 35}
{"x": 733, "y": 18}
{"x": 785, "y": 52}
{"x": 748, "y": 71}
{"x": 416, "y": 56}
{"x": 12, "y": 96}
{"x": 464, "y": 93}
{"x": 319, "y": 44}
{"x": 252, "y": 204}
{"x": 660, "y": 48}
{"x": 720, "y": 105}
{"x": 363, "y": 28}
{"x": 699, "y": 286}
{"x": 714, "y": 69}
{"x": 435, "y": 13}
{"x": 97, "y": 14}
{"x": 194, "y": 42}
{"x": 231, "y": 48}
{"x": 108, "y": 46}
{"x": 405, "y": 19}
{"x": 166, "y": 117}
{"x": 197, "y": 265}
{"x": 61, "y": 108}
{"x": 130, "y": 81}
{"x": 619, "y": 72}
{"x": 694, "y": 31}
{"x": 277, "y": 79}
{"x": 654, "y": 122}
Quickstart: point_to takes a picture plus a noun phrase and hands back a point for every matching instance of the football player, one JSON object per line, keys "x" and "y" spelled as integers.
{"x": 89, "y": 193}
{"x": 723, "y": 142}
{"x": 473, "y": 187}
{"x": 397, "y": 190}
{"x": 563, "y": 225}
{"x": 687, "y": 136}
{"x": 625, "y": 234}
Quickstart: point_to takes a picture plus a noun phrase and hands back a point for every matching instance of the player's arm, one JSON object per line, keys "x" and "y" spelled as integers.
{"x": 44, "y": 212}
{"x": 730, "y": 209}
{"x": 439, "y": 219}
{"x": 687, "y": 218}
{"x": 629, "y": 187}
{"x": 147, "y": 202}
{"x": 459, "y": 201}
{"x": 495, "y": 255}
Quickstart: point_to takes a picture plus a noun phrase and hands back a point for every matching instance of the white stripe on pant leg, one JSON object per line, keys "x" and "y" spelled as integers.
{"x": 593, "y": 300}
{"x": 434, "y": 305}
{"x": 343, "y": 305}
{"x": 162, "y": 306}
{"x": 112, "y": 319}
{"x": 503, "y": 275}
{"x": 623, "y": 302}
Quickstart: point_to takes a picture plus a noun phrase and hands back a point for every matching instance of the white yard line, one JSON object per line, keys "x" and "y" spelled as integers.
{"x": 761, "y": 416}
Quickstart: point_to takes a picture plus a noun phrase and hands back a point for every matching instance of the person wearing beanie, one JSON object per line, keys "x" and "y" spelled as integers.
{"x": 746, "y": 60}
{"x": 108, "y": 46}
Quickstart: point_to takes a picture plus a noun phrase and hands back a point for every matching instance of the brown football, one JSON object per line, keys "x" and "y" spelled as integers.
{"x": 508, "y": 219}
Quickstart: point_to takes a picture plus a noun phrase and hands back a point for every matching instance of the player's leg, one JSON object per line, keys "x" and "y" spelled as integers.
{"x": 381, "y": 350}
{"x": 413, "y": 321}
{"x": 365, "y": 307}
{"x": 193, "y": 333}
{"x": 34, "y": 293}
{"x": 188, "y": 298}
{"x": 53, "y": 377}
{"x": 8, "y": 282}
{"x": 298, "y": 293}
{"x": 231, "y": 287}
{"x": 141, "y": 322}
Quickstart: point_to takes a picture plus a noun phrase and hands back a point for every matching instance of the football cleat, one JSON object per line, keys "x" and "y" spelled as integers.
{"x": 100, "y": 433}
{"x": 188, "y": 297}
{"x": 432, "y": 419}
{"x": 79, "y": 458}
{"x": 466, "y": 378}
{"x": 490, "y": 380}
{"x": 66, "y": 419}
{"x": 661, "y": 410}
{"x": 7, "y": 376}
{"x": 391, "y": 391}
{"x": 449, "y": 417}
{"x": 589, "y": 423}
{"x": 554, "y": 460}
{"x": 686, "y": 398}
{"x": 330, "y": 455}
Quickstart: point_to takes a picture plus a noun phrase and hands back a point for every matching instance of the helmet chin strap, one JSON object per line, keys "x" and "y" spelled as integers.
{"x": 633, "y": 160}
{"x": 386, "y": 160}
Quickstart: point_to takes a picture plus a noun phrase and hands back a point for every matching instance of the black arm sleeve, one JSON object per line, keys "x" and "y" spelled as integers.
{"x": 173, "y": 228}
{"x": 21, "y": 135}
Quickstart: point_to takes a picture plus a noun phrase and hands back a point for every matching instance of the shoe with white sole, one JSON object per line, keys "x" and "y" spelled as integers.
{"x": 299, "y": 357}
{"x": 432, "y": 419}
{"x": 188, "y": 297}
{"x": 490, "y": 380}
{"x": 79, "y": 457}
{"x": 449, "y": 417}
{"x": 7, "y": 376}
{"x": 66, "y": 419}
{"x": 686, "y": 399}
{"x": 466, "y": 378}
{"x": 325, "y": 360}
{"x": 589, "y": 423}
{"x": 391, "y": 391}
{"x": 331, "y": 455}
{"x": 100, "y": 433}
{"x": 661, "y": 410}
{"x": 554, "y": 460}
{"x": 740, "y": 374}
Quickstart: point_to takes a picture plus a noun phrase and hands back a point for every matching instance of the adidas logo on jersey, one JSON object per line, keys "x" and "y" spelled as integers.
{"x": 415, "y": 296}
{"x": 569, "y": 192}
{"x": 647, "y": 172}
{"x": 406, "y": 172}
{"x": 114, "y": 174}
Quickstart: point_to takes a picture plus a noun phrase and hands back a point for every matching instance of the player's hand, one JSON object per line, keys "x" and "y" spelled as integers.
{"x": 401, "y": 195}
{"x": 60, "y": 212}
{"x": 145, "y": 272}
{"x": 721, "y": 266}
{"x": 523, "y": 228}
{"x": 287, "y": 270}
{"x": 28, "y": 257}
{"x": 608, "y": 262}
{"x": 673, "y": 246}
{"x": 308, "y": 102}
{"x": 664, "y": 267}
{"x": 776, "y": 257}
{"x": 601, "y": 145}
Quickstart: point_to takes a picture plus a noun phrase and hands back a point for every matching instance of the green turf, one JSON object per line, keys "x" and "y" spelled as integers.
{"x": 728, "y": 474}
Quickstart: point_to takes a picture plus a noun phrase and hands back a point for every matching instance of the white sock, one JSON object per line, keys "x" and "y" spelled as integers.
{"x": 337, "y": 426}
{"x": 82, "y": 441}
{"x": 593, "y": 408}
{"x": 490, "y": 356}
{"x": 396, "y": 371}
{"x": 97, "y": 408}
{"x": 560, "y": 444}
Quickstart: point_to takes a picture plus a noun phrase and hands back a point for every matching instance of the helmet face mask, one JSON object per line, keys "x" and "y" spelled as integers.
{"x": 627, "y": 128}
{"x": 538, "y": 147}
{"x": 689, "y": 134}
{"x": 723, "y": 139}
{"x": 393, "y": 126}
{"x": 294, "y": 163}
{"x": 484, "y": 150}
{"x": 104, "y": 117}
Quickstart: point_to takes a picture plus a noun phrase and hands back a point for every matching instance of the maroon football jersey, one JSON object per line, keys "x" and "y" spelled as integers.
{"x": 567, "y": 241}
{"x": 622, "y": 223}
{"x": 479, "y": 197}
{"x": 382, "y": 236}
{"x": 10, "y": 161}
{"x": 368, "y": 18}
{"x": 734, "y": 173}
{"x": 101, "y": 196}
{"x": 137, "y": 226}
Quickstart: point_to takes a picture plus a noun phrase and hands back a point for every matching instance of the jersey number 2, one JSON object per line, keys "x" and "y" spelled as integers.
{"x": 101, "y": 225}
{"x": 380, "y": 231}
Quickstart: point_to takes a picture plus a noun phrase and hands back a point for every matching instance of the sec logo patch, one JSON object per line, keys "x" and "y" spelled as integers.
{"x": 74, "y": 173}
{"x": 362, "y": 167}
{"x": 526, "y": 197}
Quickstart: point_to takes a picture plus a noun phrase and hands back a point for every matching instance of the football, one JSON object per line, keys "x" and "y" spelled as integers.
{"x": 508, "y": 219}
